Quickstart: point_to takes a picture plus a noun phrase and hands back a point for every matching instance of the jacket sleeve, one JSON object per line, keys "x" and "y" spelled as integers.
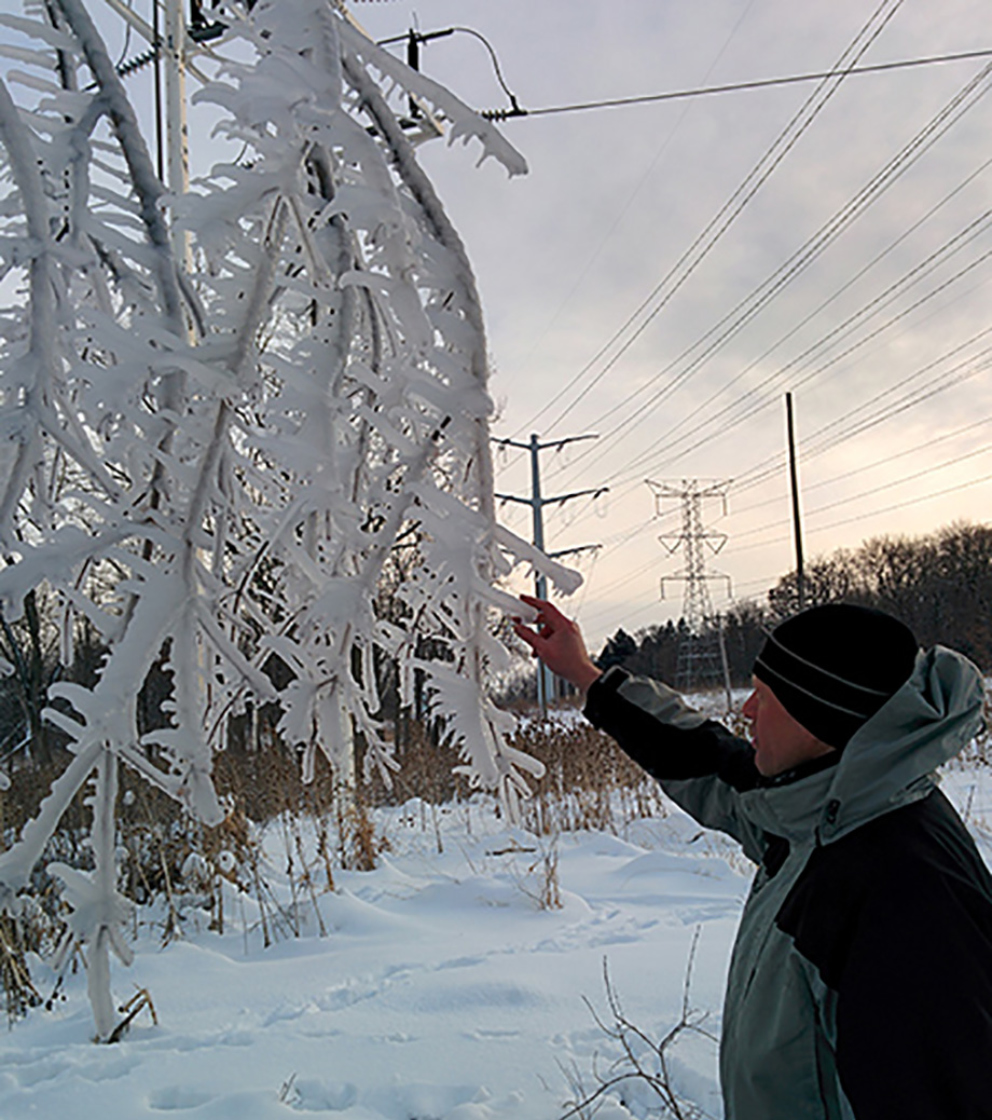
{"x": 700, "y": 764}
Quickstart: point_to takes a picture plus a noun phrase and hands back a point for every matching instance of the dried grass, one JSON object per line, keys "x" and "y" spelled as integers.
{"x": 175, "y": 869}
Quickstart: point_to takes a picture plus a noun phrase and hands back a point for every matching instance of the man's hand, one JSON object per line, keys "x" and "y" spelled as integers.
{"x": 557, "y": 641}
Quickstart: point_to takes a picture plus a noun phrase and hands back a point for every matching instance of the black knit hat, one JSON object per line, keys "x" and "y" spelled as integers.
{"x": 833, "y": 667}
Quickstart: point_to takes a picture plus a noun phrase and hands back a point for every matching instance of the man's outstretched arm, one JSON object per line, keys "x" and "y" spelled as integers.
{"x": 700, "y": 763}
{"x": 650, "y": 721}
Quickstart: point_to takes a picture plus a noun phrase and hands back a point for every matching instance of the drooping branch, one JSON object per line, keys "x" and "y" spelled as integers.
{"x": 145, "y": 182}
{"x": 332, "y": 415}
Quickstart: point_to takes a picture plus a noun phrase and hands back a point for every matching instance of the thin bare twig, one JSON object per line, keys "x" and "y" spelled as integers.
{"x": 636, "y": 1047}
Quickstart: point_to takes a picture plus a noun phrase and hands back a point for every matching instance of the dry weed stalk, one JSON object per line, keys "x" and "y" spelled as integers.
{"x": 589, "y": 782}
{"x": 635, "y": 1046}
{"x": 140, "y": 1001}
{"x": 546, "y": 894}
{"x": 20, "y": 992}
{"x": 181, "y": 870}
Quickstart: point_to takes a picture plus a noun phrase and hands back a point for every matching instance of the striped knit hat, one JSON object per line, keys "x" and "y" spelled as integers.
{"x": 833, "y": 667}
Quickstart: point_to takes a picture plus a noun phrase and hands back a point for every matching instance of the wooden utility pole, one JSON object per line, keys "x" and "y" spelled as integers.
{"x": 796, "y": 520}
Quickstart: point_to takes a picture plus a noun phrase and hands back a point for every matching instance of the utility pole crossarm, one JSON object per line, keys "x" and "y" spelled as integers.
{"x": 557, "y": 500}
{"x": 572, "y": 551}
{"x": 556, "y": 443}
{"x": 594, "y": 491}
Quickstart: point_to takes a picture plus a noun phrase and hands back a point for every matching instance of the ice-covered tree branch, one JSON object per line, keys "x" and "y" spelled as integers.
{"x": 216, "y": 470}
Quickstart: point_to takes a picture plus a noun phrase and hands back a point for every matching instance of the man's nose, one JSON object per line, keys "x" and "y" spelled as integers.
{"x": 747, "y": 711}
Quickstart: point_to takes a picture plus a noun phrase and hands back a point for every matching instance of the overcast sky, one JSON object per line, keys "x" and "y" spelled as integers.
{"x": 666, "y": 271}
{"x": 616, "y": 196}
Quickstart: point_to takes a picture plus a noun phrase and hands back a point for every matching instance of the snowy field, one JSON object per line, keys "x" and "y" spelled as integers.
{"x": 439, "y": 990}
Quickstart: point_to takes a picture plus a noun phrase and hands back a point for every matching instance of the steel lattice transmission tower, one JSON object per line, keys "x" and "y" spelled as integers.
{"x": 701, "y": 657}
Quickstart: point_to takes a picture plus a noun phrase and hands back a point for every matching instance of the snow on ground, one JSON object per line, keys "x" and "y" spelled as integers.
{"x": 441, "y": 991}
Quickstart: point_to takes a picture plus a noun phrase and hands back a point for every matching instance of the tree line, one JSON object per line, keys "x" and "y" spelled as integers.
{"x": 939, "y": 584}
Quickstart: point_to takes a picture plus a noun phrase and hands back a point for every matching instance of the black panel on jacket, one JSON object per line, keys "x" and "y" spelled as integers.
{"x": 776, "y": 853}
{"x": 896, "y": 917}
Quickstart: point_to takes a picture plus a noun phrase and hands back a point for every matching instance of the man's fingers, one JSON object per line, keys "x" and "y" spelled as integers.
{"x": 528, "y": 635}
{"x": 549, "y": 610}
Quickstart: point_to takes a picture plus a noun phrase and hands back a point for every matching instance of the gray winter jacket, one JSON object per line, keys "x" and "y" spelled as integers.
{"x": 861, "y": 979}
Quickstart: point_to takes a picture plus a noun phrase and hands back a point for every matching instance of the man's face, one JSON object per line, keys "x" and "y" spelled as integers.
{"x": 780, "y": 743}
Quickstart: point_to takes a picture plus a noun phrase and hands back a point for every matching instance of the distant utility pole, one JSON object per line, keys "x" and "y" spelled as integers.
{"x": 701, "y": 655}
{"x": 537, "y": 504}
{"x": 796, "y": 519}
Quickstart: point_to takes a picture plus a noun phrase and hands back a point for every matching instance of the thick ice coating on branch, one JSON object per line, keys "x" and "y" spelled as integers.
{"x": 267, "y": 480}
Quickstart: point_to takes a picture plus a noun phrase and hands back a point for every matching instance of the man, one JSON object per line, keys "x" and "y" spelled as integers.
{"x": 861, "y": 979}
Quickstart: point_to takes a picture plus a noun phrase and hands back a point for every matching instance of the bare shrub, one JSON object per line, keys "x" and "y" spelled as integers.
{"x": 642, "y": 1061}
{"x": 540, "y": 880}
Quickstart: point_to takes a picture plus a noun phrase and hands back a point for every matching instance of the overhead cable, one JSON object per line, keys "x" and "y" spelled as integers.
{"x": 747, "y": 308}
{"x": 972, "y": 366}
{"x": 733, "y": 87}
{"x": 871, "y": 336}
{"x": 622, "y": 210}
{"x": 827, "y": 437}
{"x": 889, "y": 458}
{"x": 731, "y": 209}
{"x": 875, "y": 512}
{"x": 915, "y": 275}
{"x": 771, "y": 384}
{"x": 847, "y": 499}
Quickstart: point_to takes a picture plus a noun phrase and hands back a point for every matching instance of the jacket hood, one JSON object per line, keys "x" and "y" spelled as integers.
{"x": 889, "y": 762}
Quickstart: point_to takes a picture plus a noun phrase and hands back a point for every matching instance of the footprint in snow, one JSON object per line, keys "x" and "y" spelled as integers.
{"x": 314, "y": 1095}
{"x": 174, "y": 1098}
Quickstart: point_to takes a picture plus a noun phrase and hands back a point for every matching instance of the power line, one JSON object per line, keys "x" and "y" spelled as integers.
{"x": 644, "y": 458}
{"x": 768, "y": 384}
{"x": 761, "y": 472}
{"x": 735, "y": 87}
{"x": 746, "y": 309}
{"x": 629, "y": 613}
{"x": 902, "y": 404}
{"x": 734, "y": 205}
{"x": 623, "y": 211}
{"x": 891, "y": 458}
{"x": 929, "y": 469}
{"x": 914, "y": 275}
{"x": 627, "y": 577}
{"x": 905, "y": 403}
{"x": 875, "y": 512}
{"x": 862, "y": 342}
{"x": 658, "y": 445}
